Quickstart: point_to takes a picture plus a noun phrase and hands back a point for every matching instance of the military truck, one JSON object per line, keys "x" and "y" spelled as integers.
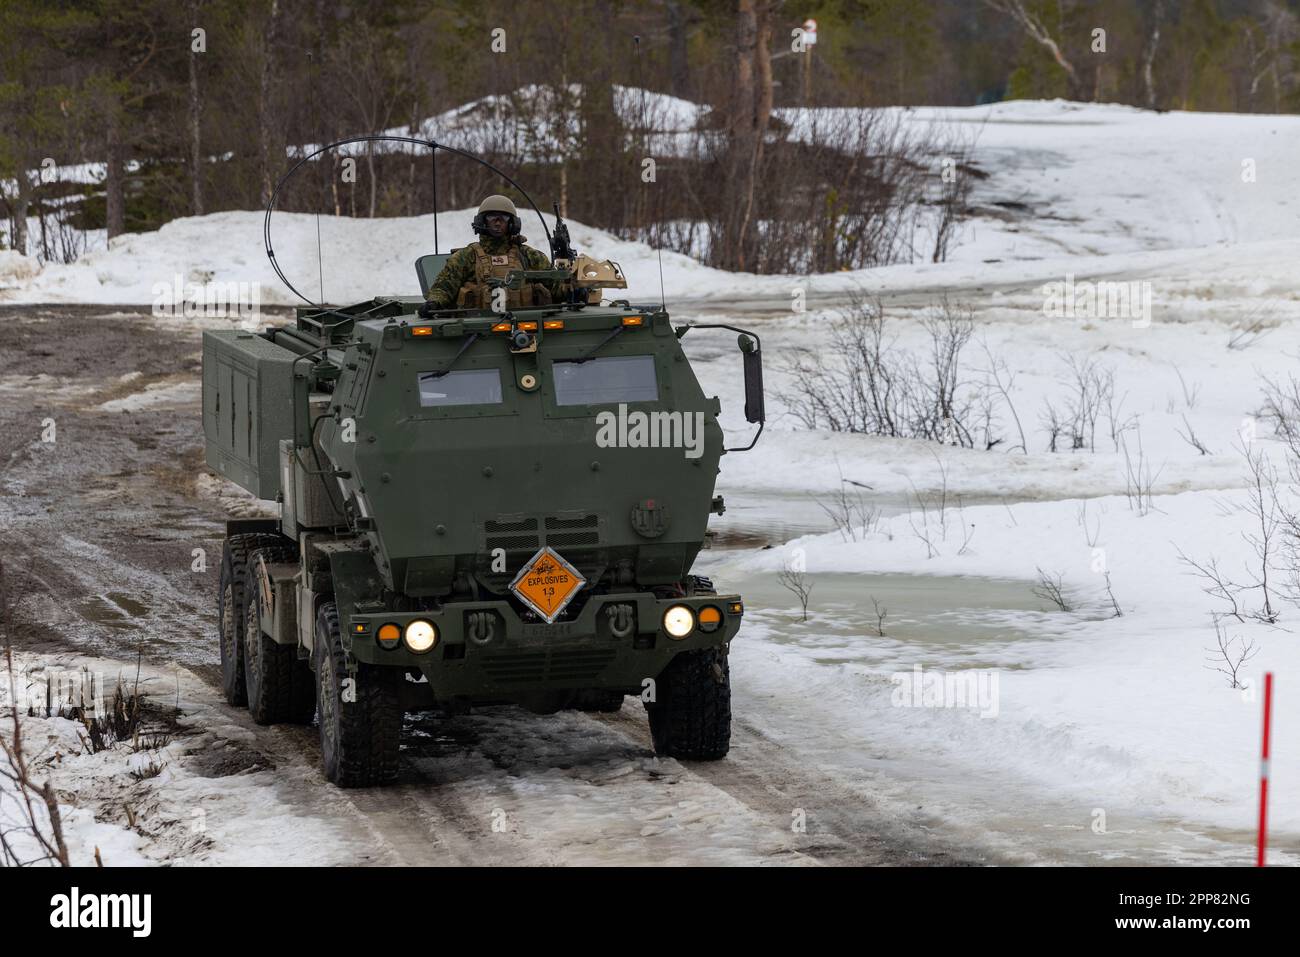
{"x": 474, "y": 507}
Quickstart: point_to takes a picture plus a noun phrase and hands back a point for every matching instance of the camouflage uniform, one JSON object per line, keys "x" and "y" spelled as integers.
{"x": 461, "y": 273}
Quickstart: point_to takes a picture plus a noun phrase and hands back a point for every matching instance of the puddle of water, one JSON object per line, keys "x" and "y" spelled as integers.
{"x": 758, "y": 517}
{"x": 102, "y": 612}
{"x": 963, "y": 622}
{"x": 114, "y": 610}
{"x": 129, "y": 605}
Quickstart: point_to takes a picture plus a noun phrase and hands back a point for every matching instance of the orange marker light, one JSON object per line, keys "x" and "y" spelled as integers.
{"x": 528, "y": 326}
{"x": 389, "y": 635}
{"x": 709, "y": 618}
{"x": 633, "y": 320}
{"x": 359, "y": 629}
{"x": 553, "y": 324}
{"x": 501, "y": 327}
{"x": 421, "y": 330}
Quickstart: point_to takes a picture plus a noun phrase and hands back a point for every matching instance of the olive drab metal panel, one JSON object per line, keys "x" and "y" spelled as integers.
{"x": 246, "y": 408}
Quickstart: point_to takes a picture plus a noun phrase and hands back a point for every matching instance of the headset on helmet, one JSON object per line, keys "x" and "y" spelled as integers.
{"x": 497, "y": 204}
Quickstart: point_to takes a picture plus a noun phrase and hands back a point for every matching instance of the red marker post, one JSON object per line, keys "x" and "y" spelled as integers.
{"x": 1263, "y": 768}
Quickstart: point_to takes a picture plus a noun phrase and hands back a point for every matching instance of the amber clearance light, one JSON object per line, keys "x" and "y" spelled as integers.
{"x": 710, "y": 618}
{"x": 388, "y": 635}
{"x": 633, "y": 320}
{"x": 421, "y": 330}
{"x": 553, "y": 324}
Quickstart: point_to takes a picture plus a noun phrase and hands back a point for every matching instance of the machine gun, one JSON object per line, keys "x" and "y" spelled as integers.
{"x": 562, "y": 253}
{"x": 586, "y": 276}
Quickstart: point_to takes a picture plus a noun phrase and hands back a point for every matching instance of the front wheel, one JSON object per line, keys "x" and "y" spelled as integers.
{"x": 359, "y": 710}
{"x": 690, "y": 717}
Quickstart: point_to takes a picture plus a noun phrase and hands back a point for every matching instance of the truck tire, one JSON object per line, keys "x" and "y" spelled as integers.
{"x": 691, "y": 716}
{"x": 280, "y": 688}
{"x": 360, "y": 736}
{"x": 231, "y": 590}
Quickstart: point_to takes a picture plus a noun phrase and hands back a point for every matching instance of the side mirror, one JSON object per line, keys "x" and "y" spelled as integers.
{"x": 753, "y": 361}
{"x": 752, "y": 356}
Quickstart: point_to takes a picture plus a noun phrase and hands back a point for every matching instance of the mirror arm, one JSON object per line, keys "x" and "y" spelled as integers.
{"x": 757, "y": 352}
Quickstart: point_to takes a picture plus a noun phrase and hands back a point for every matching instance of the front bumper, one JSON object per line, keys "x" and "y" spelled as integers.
{"x": 602, "y": 647}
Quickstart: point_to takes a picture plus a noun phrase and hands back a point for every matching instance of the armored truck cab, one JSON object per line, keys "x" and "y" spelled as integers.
{"x": 473, "y": 508}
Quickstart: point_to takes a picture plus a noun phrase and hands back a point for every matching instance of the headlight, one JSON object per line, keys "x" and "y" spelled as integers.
{"x": 421, "y": 636}
{"x": 679, "y": 621}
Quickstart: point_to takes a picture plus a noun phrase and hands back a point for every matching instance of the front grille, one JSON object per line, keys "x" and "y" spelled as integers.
{"x": 512, "y": 542}
{"x": 555, "y": 523}
{"x": 564, "y": 539}
{"x": 535, "y": 667}
{"x": 576, "y": 537}
{"x": 524, "y": 525}
{"x": 499, "y": 535}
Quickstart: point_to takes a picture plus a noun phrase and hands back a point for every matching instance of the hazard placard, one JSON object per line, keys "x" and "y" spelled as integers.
{"x": 547, "y": 583}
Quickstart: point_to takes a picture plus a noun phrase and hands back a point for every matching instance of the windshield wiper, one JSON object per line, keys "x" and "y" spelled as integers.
{"x": 598, "y": 346}
{"x": 442, "y": 372}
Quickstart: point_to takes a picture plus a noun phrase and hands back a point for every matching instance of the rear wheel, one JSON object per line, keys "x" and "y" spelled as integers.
{"x": 280, "y": 687}
{"x": 231, "y": 592}
{"x": 360, "y": 711}
{"x": 690, "y": 717}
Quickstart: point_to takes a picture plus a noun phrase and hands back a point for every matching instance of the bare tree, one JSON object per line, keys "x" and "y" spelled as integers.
{"x": 1227, "y": 659}
{"x": 1149, "y": 54}
{"x": 39, "y": 821}
{"x": 1110, "y": 593}
{"x": 1218, "y": 585}
{"x": 1002, "y": 380}
{"x": 1039, "y": 32}
{"x": 863, "y": 383}
{"x": 1190, "y": 437}
{"x": 795, "y": 580}
{"x": 748, "y": 115}
{"x": 1265, "y": 511}
{"x": 195, "y": 114}
{"x": 1052, "y": 588}
{"x": 881, "y": 614}
{"x": 848, "y": 509}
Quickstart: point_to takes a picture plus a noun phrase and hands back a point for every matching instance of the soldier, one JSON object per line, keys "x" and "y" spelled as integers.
{"x": 463, "y": 281}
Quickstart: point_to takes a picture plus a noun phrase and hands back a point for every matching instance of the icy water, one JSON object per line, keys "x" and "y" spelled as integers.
{"x": 954, "y": 773}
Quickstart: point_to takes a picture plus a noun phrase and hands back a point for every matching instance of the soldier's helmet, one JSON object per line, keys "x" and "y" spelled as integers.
{"x": 497, "y": 203}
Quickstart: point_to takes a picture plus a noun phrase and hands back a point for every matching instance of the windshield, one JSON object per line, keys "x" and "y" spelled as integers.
{"x": 601, "y": 381}
{"x": 466, "y": 387}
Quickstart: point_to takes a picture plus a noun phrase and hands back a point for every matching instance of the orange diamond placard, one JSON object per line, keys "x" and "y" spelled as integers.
{"x": 547, "y": 583}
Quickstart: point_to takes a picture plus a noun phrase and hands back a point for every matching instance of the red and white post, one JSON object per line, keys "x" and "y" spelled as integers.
{"x": 1263, "y": 769}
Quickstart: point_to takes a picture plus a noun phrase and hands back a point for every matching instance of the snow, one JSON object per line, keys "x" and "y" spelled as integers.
{"x": 1124, "y": 715}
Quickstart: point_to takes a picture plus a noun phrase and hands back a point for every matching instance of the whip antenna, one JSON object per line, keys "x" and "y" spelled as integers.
{"x": 645, "y": 124}
{"x": 315, "y": 122}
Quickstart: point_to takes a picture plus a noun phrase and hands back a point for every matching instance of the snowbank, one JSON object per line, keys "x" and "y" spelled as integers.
{"x": 1092, "y": 190}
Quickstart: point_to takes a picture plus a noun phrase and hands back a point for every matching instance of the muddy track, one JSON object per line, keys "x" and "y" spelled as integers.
{"x": 111, "y": 534}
